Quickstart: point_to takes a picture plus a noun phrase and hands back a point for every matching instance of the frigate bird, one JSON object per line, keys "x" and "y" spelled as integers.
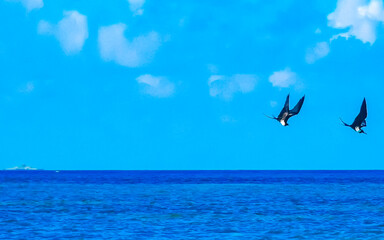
{"x": 285, "y": 113}
{"x": 359, "y": 122}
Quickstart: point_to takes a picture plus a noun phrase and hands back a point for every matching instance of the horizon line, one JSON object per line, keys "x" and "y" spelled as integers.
{"x": 34, "y": 170}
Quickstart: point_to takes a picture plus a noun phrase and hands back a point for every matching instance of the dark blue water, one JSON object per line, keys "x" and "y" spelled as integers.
{"x": 192, "y": 204}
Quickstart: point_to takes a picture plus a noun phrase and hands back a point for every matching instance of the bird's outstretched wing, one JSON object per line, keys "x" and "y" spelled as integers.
{"x": 297, "y": 108}
{"x": 360, "y": 119}
{"x": 285, "y": 108}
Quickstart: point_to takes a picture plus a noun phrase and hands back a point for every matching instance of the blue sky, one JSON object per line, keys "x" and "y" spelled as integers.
{"x": 139, "y": 84}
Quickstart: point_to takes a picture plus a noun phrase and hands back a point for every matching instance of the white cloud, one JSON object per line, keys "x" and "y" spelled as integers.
{"x": 30, "y": 4}
{"x": 114, "y": 46}
{"x": 318, "y": 31}
{"x": 156, "y": 86}
{"x": 226, "y": 86}
{"x": 71, "y": 31}
{"x": 319, "y": 51}
{"x": 284, "y": 78}
{"x": 361, "y": 19}
{"x": 136, "y": 6}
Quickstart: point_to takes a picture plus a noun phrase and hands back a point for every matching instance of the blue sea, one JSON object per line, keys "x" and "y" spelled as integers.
{"x": 192, "y": 204}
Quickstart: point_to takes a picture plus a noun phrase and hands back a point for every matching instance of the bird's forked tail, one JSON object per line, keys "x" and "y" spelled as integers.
{"x": 273, "y": 117}
{"x": 347, "y": 125}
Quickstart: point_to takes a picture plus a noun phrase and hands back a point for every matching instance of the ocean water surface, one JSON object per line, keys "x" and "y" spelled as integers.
{"x": 192, "y": 204}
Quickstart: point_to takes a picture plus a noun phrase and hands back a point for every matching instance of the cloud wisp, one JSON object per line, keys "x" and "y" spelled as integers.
{"x": 136, "y": 6}
{"x": 154, "y": 86}
{"x": 359, "y": 17}
{"x": 27, "y": 88}
{"x": 315, "y": 53}
{"x": 283, "y": 79}
{"x": 30, "y": 4}
{"x": 71, "y": 31}
{"x": 226, "y": 86}
{"x": 114, "y": 46}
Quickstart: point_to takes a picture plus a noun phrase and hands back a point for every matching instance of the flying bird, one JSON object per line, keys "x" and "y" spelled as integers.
{"x": 285, "y": 113}
{"x": 359, "y": 122}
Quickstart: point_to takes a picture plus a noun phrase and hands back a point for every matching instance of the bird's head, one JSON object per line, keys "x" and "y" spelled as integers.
{"x": 362, "y": 131}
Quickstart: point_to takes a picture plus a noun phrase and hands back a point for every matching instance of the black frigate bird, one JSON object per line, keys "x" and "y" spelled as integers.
{"x": 359, "y": 122}
{"x": 285, "y": 113}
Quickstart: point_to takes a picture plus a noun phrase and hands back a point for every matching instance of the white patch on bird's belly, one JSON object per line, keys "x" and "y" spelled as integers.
{"x": 282, "y": 122}
{"x": 357, "y": 128}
